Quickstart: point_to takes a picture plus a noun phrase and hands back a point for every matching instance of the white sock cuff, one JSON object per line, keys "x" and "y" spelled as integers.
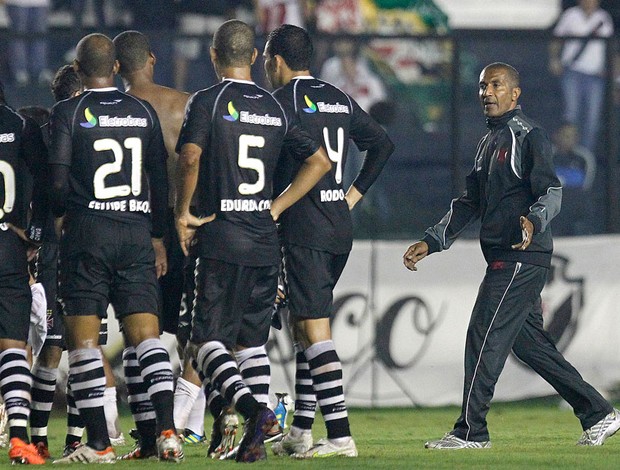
{"x": 319, "y": 348}
{"x": 149, "y": 345}
{"x": 45, "y": 373}
{"x": 245, "y": 354}
{"x": 84, "y": 354}
{"x": 185, "y": 387}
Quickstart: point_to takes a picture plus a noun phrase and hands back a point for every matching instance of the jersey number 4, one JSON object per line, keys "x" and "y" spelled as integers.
{"x": 335, "y": 155}
{"x": 134, "y": 144}
{"x": 8, "y": 175}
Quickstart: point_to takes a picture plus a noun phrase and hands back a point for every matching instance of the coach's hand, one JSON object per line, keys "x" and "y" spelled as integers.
{"x": 415, "y": 253}
{"x": 186, "y": 225}
{"x": 527, "y": 232}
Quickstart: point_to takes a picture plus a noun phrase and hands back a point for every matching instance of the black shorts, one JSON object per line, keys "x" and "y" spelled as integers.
{"x": 187, "y": 302}
{"x": 47, "y": 274}
{"x": 172, "y": 283}
{"x": 311, "y": 276}
{"x": 233, "y": 303}
{"x": 15, "y": 295}
{"x": 104, "y": 261}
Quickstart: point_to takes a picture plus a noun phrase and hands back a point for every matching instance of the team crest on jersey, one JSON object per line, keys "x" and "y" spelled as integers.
{"x": 91, "y": 120}
{"x": 233, "y": 114}
{"x": 311, "y": 106}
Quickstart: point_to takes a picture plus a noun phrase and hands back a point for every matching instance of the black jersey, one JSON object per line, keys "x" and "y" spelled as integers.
{"x": 241, "y": 130}
{"x": 112, "y": 143}
{"x": 21, "y": 149}
{"x": 321, "y": 219}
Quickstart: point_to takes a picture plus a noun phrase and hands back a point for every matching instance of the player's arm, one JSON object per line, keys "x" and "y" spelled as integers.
{"x": 59, "y": 164}
{"x": 368, "y": 136}
{"x": 315, "y": 165}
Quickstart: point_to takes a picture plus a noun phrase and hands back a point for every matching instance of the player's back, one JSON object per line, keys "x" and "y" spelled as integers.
{"x": 240, "y": 128}
{"x": 109, "y": 139}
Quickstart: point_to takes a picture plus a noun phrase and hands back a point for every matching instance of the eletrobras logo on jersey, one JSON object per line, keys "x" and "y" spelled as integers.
{"x": 323, "y": 107}
{"x": 6, "y": 138}
{"x": 251, "y": 118}
{"x": 111, "y": 121}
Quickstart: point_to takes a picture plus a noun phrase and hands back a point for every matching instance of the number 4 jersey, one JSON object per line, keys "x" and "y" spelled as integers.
{"x": 321, "y": 219}
{"x": 113, "y": 145}
{"x": 241, "y": 130}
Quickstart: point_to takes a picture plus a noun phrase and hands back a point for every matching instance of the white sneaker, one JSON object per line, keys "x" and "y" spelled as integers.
{"x": 450, "y": 441}
{"x": 598, "y": 434}
{"x": 85, "y": 454}
{"x": 169, "y": 447}
{"x": 294, "y": 442}
{"x": 118, "y": 441}
{"x": 326, "y": 448}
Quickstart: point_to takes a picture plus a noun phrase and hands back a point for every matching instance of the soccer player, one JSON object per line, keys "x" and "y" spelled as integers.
{"x": 318, "y": 236}
{"x": 229, "y": 146}
{"x": 20, "y": 142}
{"x": 514, "y": 191}
{"x": 137, "y": 64}
{"x": 66, "y": 84}
{"x": 108, "y": 168}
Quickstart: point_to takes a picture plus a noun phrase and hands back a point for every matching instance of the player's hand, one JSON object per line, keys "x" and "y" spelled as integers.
{"x": 186, "y": 225}
{"x": 527, "y": 232}
{"x": 32, "y": 247}
{"x": 161, "y": 259}
{"x": 415, "y": 253}
{"x": 352, "y": 197}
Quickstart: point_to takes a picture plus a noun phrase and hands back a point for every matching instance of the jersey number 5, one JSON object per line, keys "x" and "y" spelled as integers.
{"x": 8, "y": 175}
{"x": 245, "y": 142}
{"x": 134, "y": 144}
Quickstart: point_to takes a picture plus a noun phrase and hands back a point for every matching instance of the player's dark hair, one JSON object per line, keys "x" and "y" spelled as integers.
{"x": 132, "y": 50}
{"x": 66, "y": 83}
{"x": 513, "y": 74}
{"x": 234, "y": 43}
{"x": 38, "y": 114}
{"x": 293, "y": 44}
{"x": 96, "y": 55}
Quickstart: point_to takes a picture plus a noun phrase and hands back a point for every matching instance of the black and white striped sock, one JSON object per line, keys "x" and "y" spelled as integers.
{"x": 43, "y": 389}
{"x": 218, "y": 365}
{"x": 157, "y": 375}
{"x": 326, "y": 372}
{"x": 139, "y": 402}
{"x": 16, "y": 382}
{"x": 305, "y": 398}
{"x": 75, "y": 423}
{"x": 256, "y": 371}
{"x": 87, "y": 382}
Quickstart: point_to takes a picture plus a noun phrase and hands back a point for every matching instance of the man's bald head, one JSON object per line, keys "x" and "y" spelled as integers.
{"x": 234, "y": 44}
{"x": 95, "y": 55}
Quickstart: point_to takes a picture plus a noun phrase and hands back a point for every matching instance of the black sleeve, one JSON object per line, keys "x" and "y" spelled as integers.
{"x": 370, "y": 136}
{"x": 34, "y": 153}
{"x": 59, "y": 163}
{"x": 157, "y": 173}
{"x": 299, "y": 144}
{"x": 196, "y": 124}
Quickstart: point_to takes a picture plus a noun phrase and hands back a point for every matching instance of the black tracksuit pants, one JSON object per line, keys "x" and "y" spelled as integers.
{"x": 508, "y": 315}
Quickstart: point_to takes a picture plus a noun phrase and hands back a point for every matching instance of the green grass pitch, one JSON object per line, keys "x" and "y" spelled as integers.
{"x": 535, "y": 434}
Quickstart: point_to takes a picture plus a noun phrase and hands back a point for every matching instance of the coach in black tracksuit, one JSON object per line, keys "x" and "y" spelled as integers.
{"x": 513, "y": 189}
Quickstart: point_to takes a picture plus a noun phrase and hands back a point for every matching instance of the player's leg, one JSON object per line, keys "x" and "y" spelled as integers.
{"x": 223, "y": 291}
{"x": 536, "y": 348}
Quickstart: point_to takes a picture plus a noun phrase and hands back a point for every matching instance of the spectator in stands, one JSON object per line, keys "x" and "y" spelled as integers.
{"x": 273, "y": 13}
{"x": 581, "y": 63}
{"x": 28, "y": 50}
{"x": 78, "y": 6}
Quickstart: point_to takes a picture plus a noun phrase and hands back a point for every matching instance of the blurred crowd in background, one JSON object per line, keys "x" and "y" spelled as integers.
{"x": 402, "y": 62}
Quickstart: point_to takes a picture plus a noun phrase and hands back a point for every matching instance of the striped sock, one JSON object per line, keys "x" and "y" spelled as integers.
{"x": 138, "y": 397}
{"x": 156, "y": 372}
{"x": 43, "y": 389}
{"x": 305, "y": 398}
{"x": 75, "y": 423}
{"x": 220, "y": 368}
{"x": 87, "y": 381}
{"x": 256, "y": 372}
{"x": 326, "y": 372}
{"x": 15, "y": 385}
{"x": 215, "y": 401}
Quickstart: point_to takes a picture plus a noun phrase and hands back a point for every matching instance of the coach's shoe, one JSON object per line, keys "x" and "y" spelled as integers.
{"x": 86, "y": 454}
{"x": 43, "y": 450}
{"x": 252, "y": 446}
{"x": 22, "y": 453}
{"x": 295, "y": 442}
{"x": 326, "y": 448}
{"x": 138, "y": 453}
{"x": 450, "y": 441}
{"x": 598, "y": 434}
{"x": 169, "y": 447}
{"x": 223, "y": 433}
